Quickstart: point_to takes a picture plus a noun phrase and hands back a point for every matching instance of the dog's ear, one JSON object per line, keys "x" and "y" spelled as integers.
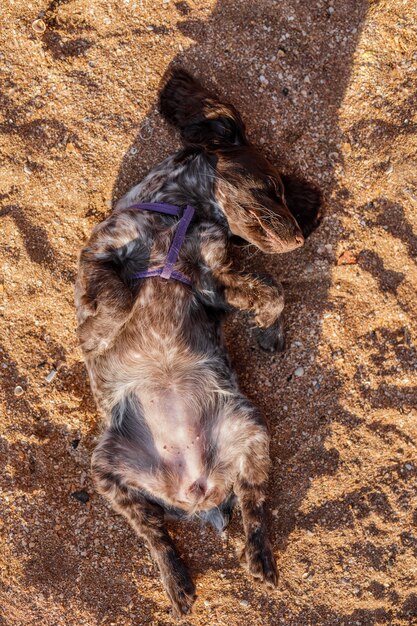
{"x": 200, "y": 116}
{"x": 220, "y": 132}
{"x": 304, "y": 202}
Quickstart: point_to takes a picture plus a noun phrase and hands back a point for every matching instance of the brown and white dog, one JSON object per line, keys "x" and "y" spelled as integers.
{"x": 179, "y": 437}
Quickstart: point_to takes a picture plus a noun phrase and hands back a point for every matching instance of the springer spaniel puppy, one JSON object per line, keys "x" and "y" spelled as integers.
{"x": 154, "y": 283}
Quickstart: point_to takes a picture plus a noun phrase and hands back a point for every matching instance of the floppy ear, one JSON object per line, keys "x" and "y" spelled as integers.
{"x": 304, "y": 202}
{"x": 221, "y": 131}
{"x": 198, "y": 114}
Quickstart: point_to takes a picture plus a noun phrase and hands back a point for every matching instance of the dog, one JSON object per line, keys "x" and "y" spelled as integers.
{"x": 154, "y": 283}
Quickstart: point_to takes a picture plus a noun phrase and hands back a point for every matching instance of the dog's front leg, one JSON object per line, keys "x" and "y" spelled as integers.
{"x": 262, "y": 296}
{"x": 265, "y": 298}
{"x": 147, "y": 519}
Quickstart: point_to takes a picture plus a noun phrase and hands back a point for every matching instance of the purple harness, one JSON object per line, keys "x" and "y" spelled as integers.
{"x": 168, "y": 271}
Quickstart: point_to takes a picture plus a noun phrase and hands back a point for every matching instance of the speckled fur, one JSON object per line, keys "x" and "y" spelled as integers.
{"x": 179, "y": 437}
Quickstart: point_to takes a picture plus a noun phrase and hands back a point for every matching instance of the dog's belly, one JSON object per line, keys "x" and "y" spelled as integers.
{"x": 179, "y": 440}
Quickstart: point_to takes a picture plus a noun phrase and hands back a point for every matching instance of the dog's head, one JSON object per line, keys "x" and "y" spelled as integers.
{"x": 251, "y": 196}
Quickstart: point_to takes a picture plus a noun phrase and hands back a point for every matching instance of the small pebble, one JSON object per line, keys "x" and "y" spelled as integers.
{"x": 306, "y": 575}
{"x": 18, "y": 391}
{"x": 146, "y": 132}
{"x": 51, "y": 375}
{"x": 275, "y": 512}
{"x": 39, "y": 26}
{"x": 244, "y": 603}
{"x": 299, "y": 371}
{"x": 409, "y": 466}
{"x": 81, "y": 496}
{"x": 347, "y": 258}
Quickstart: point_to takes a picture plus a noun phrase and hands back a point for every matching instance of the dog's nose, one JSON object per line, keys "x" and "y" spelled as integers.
{"x": 299, "y": 237}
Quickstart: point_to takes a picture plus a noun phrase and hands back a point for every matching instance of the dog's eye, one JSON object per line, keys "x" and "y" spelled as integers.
{"x": 276, "y": 187}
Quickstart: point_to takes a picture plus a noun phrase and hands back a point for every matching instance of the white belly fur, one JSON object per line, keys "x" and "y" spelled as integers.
{"x": 177, "y": 435}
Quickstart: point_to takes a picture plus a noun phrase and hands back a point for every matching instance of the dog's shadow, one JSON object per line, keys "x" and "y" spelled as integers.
{"x": 287, "y": 78}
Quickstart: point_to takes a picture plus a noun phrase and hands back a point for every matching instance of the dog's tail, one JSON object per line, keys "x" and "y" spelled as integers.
{"x": 201, "y": 117}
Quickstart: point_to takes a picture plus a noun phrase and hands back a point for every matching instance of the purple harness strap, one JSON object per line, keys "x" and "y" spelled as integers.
{"x": 168, "y": 271}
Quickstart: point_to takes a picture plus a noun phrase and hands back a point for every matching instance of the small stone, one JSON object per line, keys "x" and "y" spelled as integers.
{"x": 244, "y": 603}
{"x": 347, "y": 258}
{"x": 70, "y": 148}
{"x": 285, "y": 91}
{"x": 299, "y": 371}
{"x": 275, "y": 512}
{"x": 81, "y": 496}
{"x": 146, "y": 131}
{"x": 51, "y": 375}
{"x": 263, "y": 79}
{"x": 306, "y": 575}
{"x": 18, "y": 391}
{"x": 39, "y": 26}
{"x": 409, "y": 466}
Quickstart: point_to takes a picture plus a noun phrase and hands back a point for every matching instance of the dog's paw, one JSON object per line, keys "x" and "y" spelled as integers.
{"x": 180, "y": 590}
{"x": 260, "y": 562}
{"x": 272, "y": 338}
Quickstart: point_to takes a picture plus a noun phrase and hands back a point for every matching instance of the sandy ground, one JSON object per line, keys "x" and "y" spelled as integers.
{"x": 329, "y": 91}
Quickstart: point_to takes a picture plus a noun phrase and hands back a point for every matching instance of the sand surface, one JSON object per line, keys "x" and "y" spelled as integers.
{"x": 328, "y": 90}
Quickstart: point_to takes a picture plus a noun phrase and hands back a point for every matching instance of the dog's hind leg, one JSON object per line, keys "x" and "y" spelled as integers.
{"x": 147, "y": 519}
{"x": 243, "y": 439}
{"x": 257, "y": 554}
